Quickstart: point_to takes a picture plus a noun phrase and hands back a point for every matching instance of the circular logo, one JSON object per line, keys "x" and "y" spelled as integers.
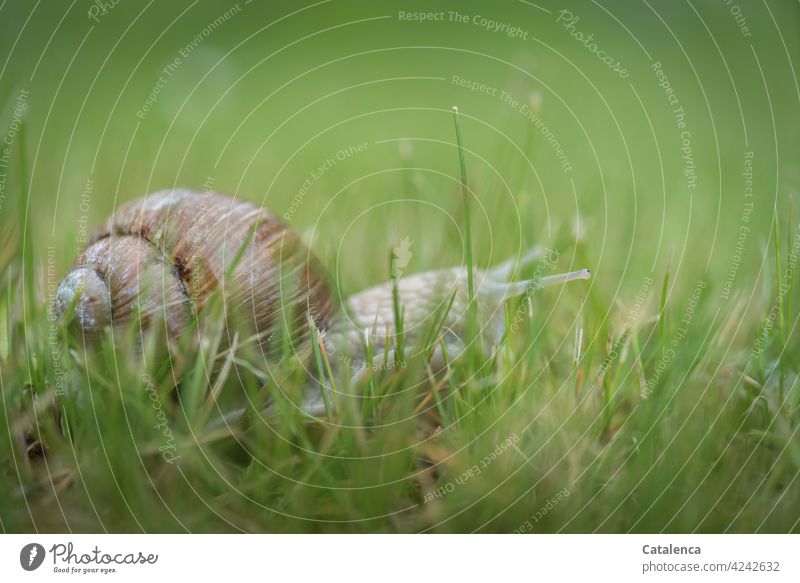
{"x": 31, "y": 556}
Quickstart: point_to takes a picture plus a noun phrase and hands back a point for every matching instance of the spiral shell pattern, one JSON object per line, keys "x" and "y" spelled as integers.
{"x": 164, "y": 255}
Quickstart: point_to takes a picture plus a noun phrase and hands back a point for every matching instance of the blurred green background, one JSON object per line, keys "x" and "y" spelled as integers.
{"x": 271, "y": 90}
{"x": 337, "y": 116}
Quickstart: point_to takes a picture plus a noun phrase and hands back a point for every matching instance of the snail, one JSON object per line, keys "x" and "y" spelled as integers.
{"x": 164, "y": 255}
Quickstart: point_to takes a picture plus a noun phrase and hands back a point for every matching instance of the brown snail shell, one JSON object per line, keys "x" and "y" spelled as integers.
{"x": 164, "y": 255}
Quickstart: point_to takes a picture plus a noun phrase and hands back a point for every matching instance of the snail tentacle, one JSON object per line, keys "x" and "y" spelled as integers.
{"x": 504, "y": 270}
{"x": 501, "y": 291}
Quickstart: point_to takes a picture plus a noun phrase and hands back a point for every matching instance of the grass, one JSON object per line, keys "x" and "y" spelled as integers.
{"x": 712, "y": 447}
{"x": 639, "y": 401}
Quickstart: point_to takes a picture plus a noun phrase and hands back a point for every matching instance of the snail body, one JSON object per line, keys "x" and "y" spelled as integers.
{"x": 164, "y": 255}
{"x": 370, "y": 314}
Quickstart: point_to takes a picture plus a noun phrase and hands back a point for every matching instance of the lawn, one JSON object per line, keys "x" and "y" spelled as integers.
{"x": 661, "y": 153}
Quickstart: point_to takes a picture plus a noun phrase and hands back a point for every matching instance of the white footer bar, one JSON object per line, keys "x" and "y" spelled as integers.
{"x": 406, "y": 558}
